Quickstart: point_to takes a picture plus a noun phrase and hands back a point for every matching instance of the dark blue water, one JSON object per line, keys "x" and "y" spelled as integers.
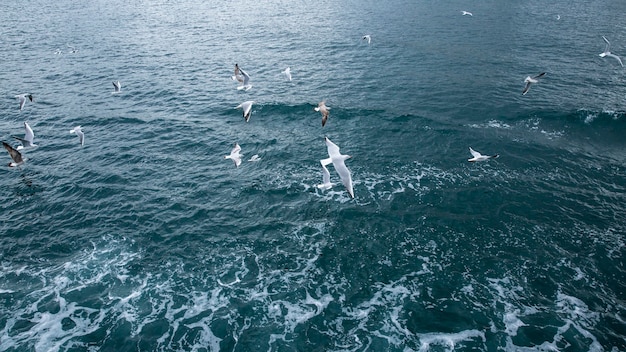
{"x": 147, "y": 239}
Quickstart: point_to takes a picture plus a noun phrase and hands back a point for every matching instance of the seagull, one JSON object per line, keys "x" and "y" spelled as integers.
{"x": 323, "y": 109}
{"x": 254, "y": 158}
{"x": 58, "y": 52}
{"x": 246, "y": 106}
{"x": 530, "y": 81}
{"x": 117, "y": 86}
{"x": 73, "y": 49}
{"x": 368, "y": 38}
{"x": 287, "y": 73}
{"x": 242, "y": 77}
{"x": 608, "y": 53}
{"x": 466, "y": 13}
{"x": 15, "y": 155}
{"x": 558, "y": 17}
{"x": 234, "y": 155}
{"x": 22, "y": 99}
{"x": 29, "y": 136}
{"x": 79, "y": 133}
{"x": 337, "y": 159}
{"x": 479, "y": 157}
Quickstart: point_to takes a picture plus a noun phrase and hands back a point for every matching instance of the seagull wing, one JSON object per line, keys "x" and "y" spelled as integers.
{"x": 246, "y": 111}
{"x": 539, "y": 75}
{"x": 325, "y": 177}
{"x": 617, "y": 58}
{"x": 28, "y": 135}
{"x": 474, "y": 153}
{"x": 15, "y": 155}
{"x": 526, "y": 88}
{"x": 344, "y": 174}
{"x": 333, "y": 149}
{"x": 246, "y": 77}
{"x": 22, "y": 101}
{"x": 79, "y": 133}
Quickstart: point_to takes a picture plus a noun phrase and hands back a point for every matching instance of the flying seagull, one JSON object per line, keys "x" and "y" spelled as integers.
{"x": 368, "y": 38}
{"x": 22, "y": 99}
{"x": 338, "y": 161}
{"x": 15, "y": 155}
{"x": 117, "y": 86}
{"x": 476, "y": 156}
{"x": 29, "y": 136}
{"x": 323, "y": 109}
{"x": 466, "y": 13}
{"x": 254, "y": 158}
{"x": 287, "y": 73}
{"x": 607, "y": 52}
{"x": 74, "y": 50}
{"x": 234, "y": 155}
{"x": 79, "y": 133}
{"x": 246, "y": 106}
{"x": 530, "y": 81}
{"x": 242, "y": 77}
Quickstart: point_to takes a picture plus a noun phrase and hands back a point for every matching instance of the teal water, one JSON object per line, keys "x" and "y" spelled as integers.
{"x": 147, "y": 239}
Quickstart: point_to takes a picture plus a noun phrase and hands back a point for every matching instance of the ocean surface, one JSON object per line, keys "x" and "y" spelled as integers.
{"x": 146, "y": 239}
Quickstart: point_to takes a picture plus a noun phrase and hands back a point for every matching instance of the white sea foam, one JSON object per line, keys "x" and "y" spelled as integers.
{"x": 195, "y": 306}
{"x": 576, "y": 316}
{"x": 492, "y": 124}
{"x": 428, "y": 341}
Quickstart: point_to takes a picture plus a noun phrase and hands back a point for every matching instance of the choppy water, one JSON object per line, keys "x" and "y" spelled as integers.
{"x": 146, "y": 239}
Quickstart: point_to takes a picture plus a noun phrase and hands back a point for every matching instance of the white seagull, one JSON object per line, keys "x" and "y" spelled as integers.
{"x": 476, "y": 156}
{"x": 117, "y": 86}
{"x": 74, "y": 50}
{"x": 29, "y": 136}
{"x": 22, "y": 99}
{"x": 466, "y": 13}
{"x": 323, "y": 109}
{"x": 234, "y": 155}
{"x": 607, "y": 52}
{"x": 242, "y": 77}
{"x": 338, "y": 161}
{"x": 368, "y": 38}
{"x": 15, "y": 155}
{"x": 246, "y": 106}
{"x": 79, "y": 133}
{"x": 287, "y": 73}
{"x": 254, "y": 158}
{"x": 530, "y": 80}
